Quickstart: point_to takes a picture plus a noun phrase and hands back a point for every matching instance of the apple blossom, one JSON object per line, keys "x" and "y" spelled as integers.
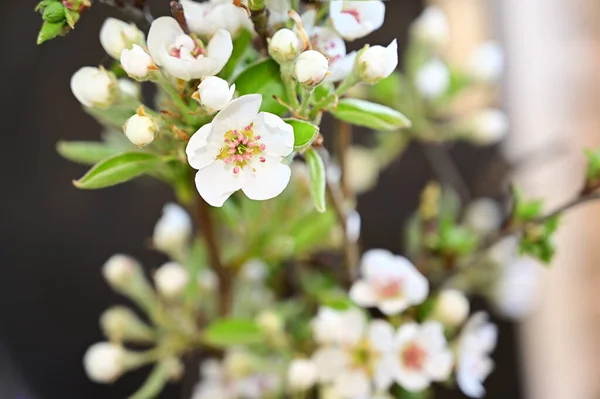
{"x": 284, "y": 46}
{"x": 432, "y": 27}
{"x": 302, "y": 375}
{"x": 207, "y": 18}
{"x": 137, "y": 62}
{"x": 377, "y": 62}
{"x": 117, "y": 35}
{"x": 486, "y": 64}
{"x": 171, "y": 279}
{"x": 93, "y": 87}
{"x": 141, "y": 128}
{"x": 420, "y": 355}
{"x": 476, "y": 342}
{"x": 389, "y": 282}
{"x": 173, "y": 230}
{"x": 433, "y": 79}
{"x": 311, "y": 68}
{"x": 356, "y": 19}
{"x": 483, "y": 216}
{"x": 451, "y": 308}
{"x": 214, "y": 93}
{"x": 485, "y": 127}
{"x": 104, "y": 362}
{"x": 183, "y": 57}
{"x": 241, "y": 149}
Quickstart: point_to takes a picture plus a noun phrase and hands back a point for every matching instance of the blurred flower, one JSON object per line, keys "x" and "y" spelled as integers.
{"x": 432, "y": 27}
{"x": 119, "y": 269}
{"x": 137, "y": 62}
{"x": 122, "y": 324}
{"x": 173, "y": 230}
{"x": 483, "y": 216}
{"x": 214, "y": 93}
{"x": 141, "y": 128}
{"x": 476, "y": 342}
{"x": 207, "y": 280}
{"x": 487, "y": 62}
{"x": 302, "y": 375}
{"x": 208, "y": 17}
{"x": 377, "y": 62}
{"x": 353, "y": 224}
{"x": 255, "y": 270}
{"x": 515, "y": 292}
{"x": 433, "y": 79}
{"x": 117, "y": 35}
{"x": 241, "y": 149}
{"x": 486, "y": 127}
{"x": 451, "y": 308}
{"x": 129, "y": 87}
{"x": 362, "y": 168}
{"x": 171, "y": 280}
{"x": 93, "y": 87}
{"x": 356, "y": 19}
{"x": 389, "y": 282}
{"x": 104, "y": 362}
{"x": 310, "y": 68}
{"x": 181, "y": 56}
{"x": 270, "y": 322}
{"x": 278, "y": 11}
{"x": 284, "y": 46}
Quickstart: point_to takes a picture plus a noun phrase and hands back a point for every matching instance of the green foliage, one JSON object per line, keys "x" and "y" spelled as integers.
{"x": 158, "y": 378}
{"x": 593, "y": 169}
{"x": 316, "y": 169}
{"x": 58, "y": 17}
{"x": 232, "y": 332}
{"x": 387, "y": 90}
{"x": 263, "y": 77}
{"x": 371, "y": 115}
{"x": 525, "y": 211}
{"x": 240, "y": 46}
{"x": 85, "y": 152}
{"x": 453, "y": 240}
{"x": 537, "y": 241}
{"x": 304, "y": 133}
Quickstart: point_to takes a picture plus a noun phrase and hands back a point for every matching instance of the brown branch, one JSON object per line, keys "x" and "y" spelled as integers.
{"x": 139, "y": 14}
{"x": 179, "y": 15}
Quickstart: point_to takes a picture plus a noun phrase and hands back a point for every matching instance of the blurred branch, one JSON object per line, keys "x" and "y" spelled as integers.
{"x": 443, "y": 167}
{"x": 343, "y": 140}
{"x": 138, "y": 11}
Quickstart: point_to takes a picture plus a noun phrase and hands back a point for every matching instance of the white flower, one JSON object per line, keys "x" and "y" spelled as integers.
{"x": 278, "y": 11}
{"x": 181, "y": 56}
{"x": 451, "y": 308}
{"x": 330, "y": 44}
{"x": 214, "y": 93}
{"x": 208, "y": 17}
{"x": 433, "y": 79}
{"x": 389, "y": 282}
{"x": 302, "y": 375}
{"x": 487, "y": 62}
{"x": 355, "y": 19}
{"x": 353, "y": 224}
{"x": 93, "y": 87}
{"x": 477, "y": 341}
{"x": 173, "y": 230}
{"x": 486, "y": 127}
{"x": 171, "y": 279}
{"x": 354, "y": 356}
{"x": 311, "y": 68}
{"x": 104, "y": 362}
{"x": 140, "y": 128}
{"x": 284, "y": 46}
{"x": 432, "y": 27}
{"x": 137, "y": 62}
{"x": 129, "y": 87}
{"x": 514, "y": 295}
{"x": 119, "y": 269}
{"x": 270, "y": 322}
{"x": 421, "y": 355}
{"x": 241, "y": 149}
{"x": 483, "y": 216}
{"x": 378, "y": 62}
{"x": 116, "y": 36}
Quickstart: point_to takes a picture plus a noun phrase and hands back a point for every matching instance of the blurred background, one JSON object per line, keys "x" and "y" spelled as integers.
{"x": 54, "y": 238}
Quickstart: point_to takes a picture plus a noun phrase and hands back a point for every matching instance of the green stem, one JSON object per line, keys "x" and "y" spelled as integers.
{"x": 306, "y": 94}
{"x": 174, "y": 94}
{"x": 290, "y": 84}
{"x": 325, "y": 103}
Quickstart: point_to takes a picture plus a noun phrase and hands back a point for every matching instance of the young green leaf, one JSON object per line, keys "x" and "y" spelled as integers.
{"x": 85, "y": 152}
{"x": 118, "y": 169}
{"x": 371, "y": 115}
{"x": 240, "y": 44}
{"x": 263, "y": 77}
{"x": 316, "y": 170}
{"x": 304, "y": 133}
{"x": 232, "y": 332}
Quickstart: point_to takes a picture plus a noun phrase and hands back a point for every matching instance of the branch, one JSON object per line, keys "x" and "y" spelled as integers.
{"x": 138, "y": 11}
{"x": 179, "y": 15}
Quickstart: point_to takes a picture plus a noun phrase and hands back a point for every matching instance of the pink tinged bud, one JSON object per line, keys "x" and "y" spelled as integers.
{"x": 262, "y": 147}
{"x": 262, "y": 159}
{"x": 252, "y": 144}
{"x": 258, "y": 137}
{"x": 236, "y": 170}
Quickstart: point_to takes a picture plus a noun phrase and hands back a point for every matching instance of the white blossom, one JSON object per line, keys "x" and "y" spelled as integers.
{"x": 389, "y": 282}
{"x": 183, "y": 57}
{"x": 278, "y": 11}
{"x": 241, "y": 149}
{"x": 486, "y": 64}
{"x": 137, "y": 62}
{"x": 420, "y": 356}
{"x": 476, "y": 342}
{"x": 117, "y": 35}
{"x": 208, "y": 17}
{"x": 356, "y": 19}
{"x": 432, "y": 27}
{"x": 119, "y": 268}
{"x": 485, "y": 127}
{"x": 377, "y": 62}
{"x": 433, "y": 79}
{"x": 173, "y": 230}
{"x": 451, "y": 308}
{"x": 483, "y": 216}
{"x": 171, "y": 279}
{"x": 331, "y": 45}
{"x": 311, "y": 68}
{"x": 140, "y": 128}
{"x": 93, "y": 87}
{"x": 214, "y": 93}
{"x": 104, "y": 362}
{"x": 302, "y": 375}
{"x": 284, "y": 46}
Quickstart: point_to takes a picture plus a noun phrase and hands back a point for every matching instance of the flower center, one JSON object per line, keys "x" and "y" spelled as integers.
{"x": 388, "y": 289}
{"x": 185, "y": 48}
{"x": 363, "y": 355}
{"x": 413, "y": 357}
{"x": 354, "y": 13}
{"x": 241, "y": 147}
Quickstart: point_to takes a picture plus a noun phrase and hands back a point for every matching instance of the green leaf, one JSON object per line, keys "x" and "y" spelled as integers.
{"x": 118, "y": 169}
{"x": 240, "y": 44}
{"x": 316, "y": 171}
{"x": 49, "y": 31}
{"x": 525, "y": 211}
{"x": 55, "y": 12}
{"x": 371, "y": 115}
{"x": 85, "y": 152}
{"x": 232, "y": 332}
{"x": 304, "y": 133}
{"x": 387, "y": 91}
{"x": 263, "y": 77}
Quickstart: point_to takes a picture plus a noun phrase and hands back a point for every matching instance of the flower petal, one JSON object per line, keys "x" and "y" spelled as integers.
{"x": 374, "y": 260}
{"x": 217, "y": 182}
{"x": 439, "y": 365}
{"x": 410, "y": 380}
{"x": 352, "y": 384}
{"x": 405, "y": 334}
{"x": 267, "y": 179}
{"x": 393, "y": 306}
{"x": 416, "y": 287}
{"x": 238, "y": 114}
{"x": 330, "y": 362}
{"x": 276, "y": 135}
{"x": 362, "y": 294}
{"x": 341, "y": 68}
{"x": 219, "y": 50}
{"x": 200, "y": 152}
{"x": 381, "y": 335}
{"x": 162, "y": 33}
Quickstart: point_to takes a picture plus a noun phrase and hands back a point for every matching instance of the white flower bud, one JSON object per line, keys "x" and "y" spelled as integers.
{"x": 377, "y": 62}
{"x": 284, "y": 46}
{"x": 137, "y": 62}
{"x": 171, "y": 279}
{"x": 104, "y": 362}
{"x": 487, "y": 127}
{"x": 433, "y": 79}
{"x": 270, "y": 322}
{"x": 129, "y": 88}
{"x": 120, "y": 269}
{"x": 116, "y": 36}
{"x": 140, "y": 128}
{"x": 120, "y": 323}
{"x": 311, "y": 68}
{"x": 483, "y": 216}
{"x": 432, "y": 27}
{"x": 302, "y": 375}
{"x": 214, "y": 93}
{"x": 173, "y": 230}
{"x": 487, "y": 62}
{"x": 93, "y": 87}
{"x": 451, "y": 308}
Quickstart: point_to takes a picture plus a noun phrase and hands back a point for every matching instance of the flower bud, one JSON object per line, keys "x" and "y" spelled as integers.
{"x": 116, "y": 36}
{"x": 433, "y": 79}
{"x": 173, "y": 230}
{"x": 140, "y": 128}
{"x": 129, "y": 88}
{"x": 311, "y": 68}
{"x": 483, "y": 216}
{"x": 487, "y": 62}
{"x": 302, "y": 375}
{"x": 119, "y": 270}
{"x": 451, "y": 308}
{"x": 122, "y": 324}
{"x": 104, "y": 362}
{"x": 214, "y": 93}
{"x": 284, "y": 46}
{"x": 270, "y": 322}
{"x": 137, "y": 62}
{"x": 487, "y": 127}
{"x": 171, "y": 279}
{"x": 93, "y": 87}
{"x": 432, "y": 27}
{"x": 377, "y": 62}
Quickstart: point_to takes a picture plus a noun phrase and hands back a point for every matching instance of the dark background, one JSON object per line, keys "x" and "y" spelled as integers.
{"x": 54, "y": 238}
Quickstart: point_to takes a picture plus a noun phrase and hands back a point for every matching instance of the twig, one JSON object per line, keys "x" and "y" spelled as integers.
{"x": 343, "y": 141}
{"x": 179, "y": 15}
{"x": 443, "y": 167}
{"x": 138, "y": 11}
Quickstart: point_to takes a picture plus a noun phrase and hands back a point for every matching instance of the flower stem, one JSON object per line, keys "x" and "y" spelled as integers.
{"x": 306, "y": 94}
{"x": 290, "y": 84}
{"x": 174, "y": 94}
{"x": 325, "y": 103}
